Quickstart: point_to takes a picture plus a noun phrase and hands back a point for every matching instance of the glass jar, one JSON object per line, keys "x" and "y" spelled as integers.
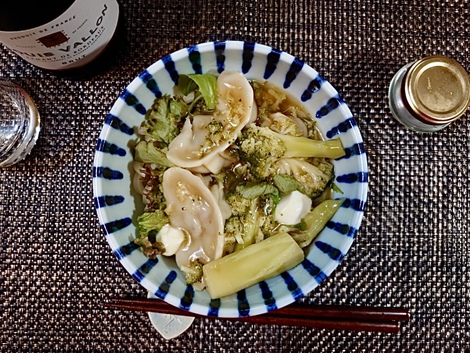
{"x": 428, "y": 94}
{"x": 19, "y": 123}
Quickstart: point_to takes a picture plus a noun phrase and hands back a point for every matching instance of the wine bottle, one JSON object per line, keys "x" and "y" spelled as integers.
{"x": 63, "y": 36}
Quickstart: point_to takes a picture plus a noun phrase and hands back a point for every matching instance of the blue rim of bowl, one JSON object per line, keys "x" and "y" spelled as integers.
{"x": 117, "y": 205}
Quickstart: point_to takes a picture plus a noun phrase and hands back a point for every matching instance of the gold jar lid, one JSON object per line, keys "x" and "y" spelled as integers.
{"x": 437, "y": 89}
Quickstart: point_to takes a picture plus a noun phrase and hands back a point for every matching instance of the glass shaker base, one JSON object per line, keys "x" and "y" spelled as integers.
{"x": 19, "y": 123}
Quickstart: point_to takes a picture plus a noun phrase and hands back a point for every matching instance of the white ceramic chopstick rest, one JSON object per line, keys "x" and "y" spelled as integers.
{"x": 169, "y": 326}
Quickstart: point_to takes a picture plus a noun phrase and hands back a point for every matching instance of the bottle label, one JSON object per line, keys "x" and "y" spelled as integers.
{"x": 72, "y": 40}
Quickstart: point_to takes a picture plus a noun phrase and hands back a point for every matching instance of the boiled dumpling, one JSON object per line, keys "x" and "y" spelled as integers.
{"x": 197, "y": 147}
{"x": 191, "y": 206}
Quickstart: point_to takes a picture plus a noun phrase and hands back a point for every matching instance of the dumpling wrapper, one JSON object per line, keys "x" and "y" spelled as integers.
{"x": 192, "y": 207}
{"x": 235, "y": 109}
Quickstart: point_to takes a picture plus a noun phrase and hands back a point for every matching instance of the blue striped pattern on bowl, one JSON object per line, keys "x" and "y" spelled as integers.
{"x": 118, "y": 206}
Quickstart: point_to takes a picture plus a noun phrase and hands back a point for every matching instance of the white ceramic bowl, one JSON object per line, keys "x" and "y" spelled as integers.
{"x": 117, "y": 205}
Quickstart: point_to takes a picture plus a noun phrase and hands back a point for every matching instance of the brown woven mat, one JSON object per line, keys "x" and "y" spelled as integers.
{"x": 413, "y": 249}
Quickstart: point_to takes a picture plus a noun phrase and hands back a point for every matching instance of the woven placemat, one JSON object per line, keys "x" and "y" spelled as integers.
{"x": 413, "y": 249}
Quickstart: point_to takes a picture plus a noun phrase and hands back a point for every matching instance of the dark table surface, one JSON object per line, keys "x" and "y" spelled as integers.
{"x": 413, "y": 249}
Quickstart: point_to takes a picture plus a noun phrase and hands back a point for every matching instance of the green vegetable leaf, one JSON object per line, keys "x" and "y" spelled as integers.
{"x": 254, "y": 190}
{"x": 206, "y": 83}
{"x": 186, "y": 85}
{"x": 276, "y": 198}
{"x": 286, "y": 183}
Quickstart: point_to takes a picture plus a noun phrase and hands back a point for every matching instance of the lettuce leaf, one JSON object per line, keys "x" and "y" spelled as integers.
{"x": 206, "y": 83}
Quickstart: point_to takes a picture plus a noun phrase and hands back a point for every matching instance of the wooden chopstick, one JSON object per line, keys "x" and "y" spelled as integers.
{"x": 327, "y": 317}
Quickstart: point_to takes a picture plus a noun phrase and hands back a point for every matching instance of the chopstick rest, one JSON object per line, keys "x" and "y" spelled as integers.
{"x": 325, "y": 317}
{"x": 168, "y": 325}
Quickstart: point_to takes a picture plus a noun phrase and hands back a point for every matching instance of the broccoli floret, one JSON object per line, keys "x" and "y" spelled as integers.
{"x": 239, "y": 227}
{"x": 193, "y": 272}
{"x": 234, "y": 229}
{"x": 261, "y": 148}
{"x": 161, "y": 123}
{"x": 252, "y": 205}
{"x": 238, "y": 204}
{"x": 250, "y": 227}
{"x": 257, "y": 141}
{"x": 146, "y": 152}
{"x": 217, "y": 134}
{"x": 243, "y": 224}
{"x": 151, "y": 221}
{"x": 299, "y": 174}
{"x": 148, "y": 225}
{"x": 246, "y": 227}
{"x": 269, "y": 225}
